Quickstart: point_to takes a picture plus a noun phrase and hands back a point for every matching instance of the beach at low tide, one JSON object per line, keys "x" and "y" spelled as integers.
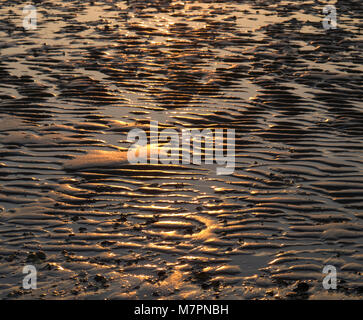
{"x": 98, "y": 227}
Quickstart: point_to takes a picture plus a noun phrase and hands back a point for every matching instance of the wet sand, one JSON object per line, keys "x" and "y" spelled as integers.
{"x": 96, "y": 227}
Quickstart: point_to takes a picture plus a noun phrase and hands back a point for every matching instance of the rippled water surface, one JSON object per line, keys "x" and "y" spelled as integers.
{"x": 97, "y": 227}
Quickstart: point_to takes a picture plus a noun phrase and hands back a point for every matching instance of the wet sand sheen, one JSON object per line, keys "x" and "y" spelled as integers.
{"x": 96, "y": 227}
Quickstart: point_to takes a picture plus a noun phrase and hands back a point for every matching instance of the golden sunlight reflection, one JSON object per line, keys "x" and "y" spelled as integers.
{"x": 180, "y": 149}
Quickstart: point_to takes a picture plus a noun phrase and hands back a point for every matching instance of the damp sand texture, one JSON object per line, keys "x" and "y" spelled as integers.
{"x": 98, "y": 228}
